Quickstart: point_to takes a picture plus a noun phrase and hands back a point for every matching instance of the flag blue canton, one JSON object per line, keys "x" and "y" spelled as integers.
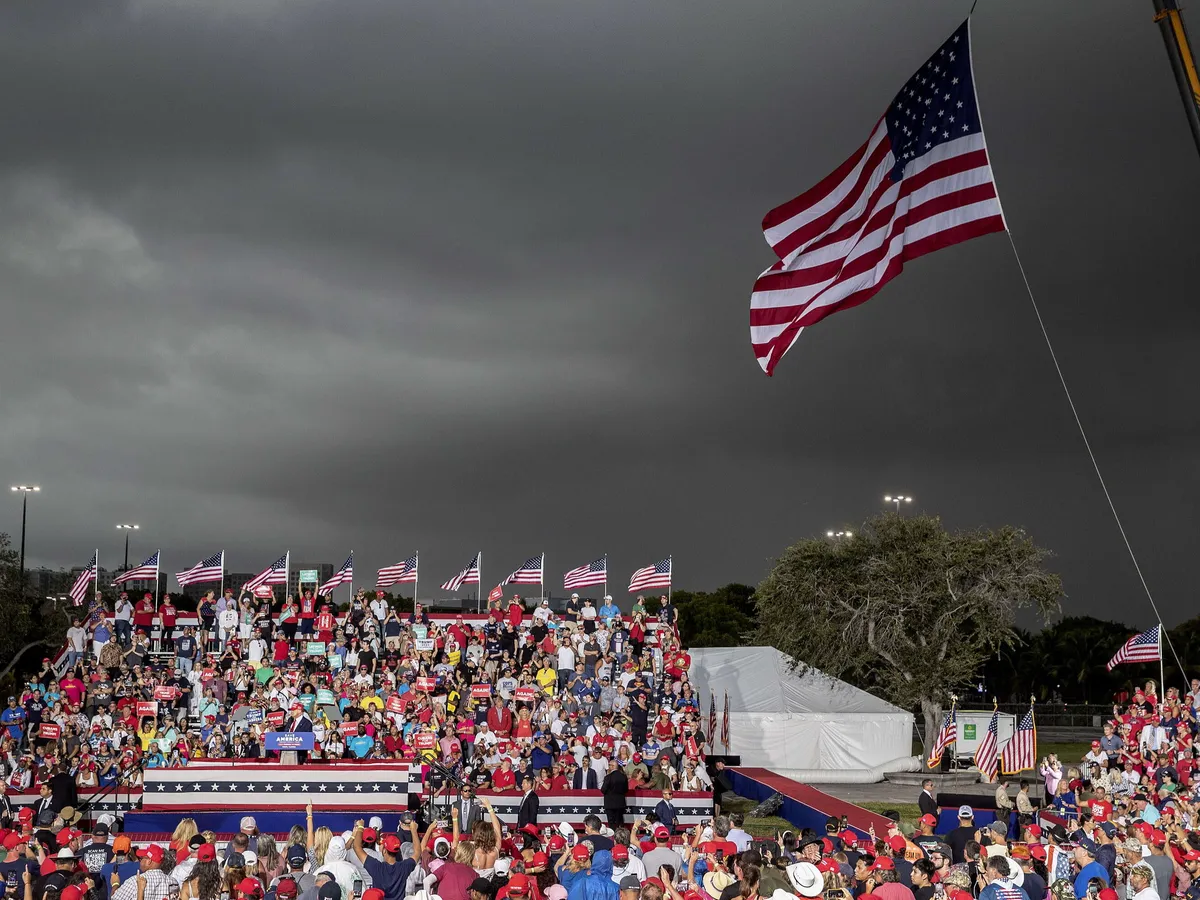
{"x": 936, "y": 105}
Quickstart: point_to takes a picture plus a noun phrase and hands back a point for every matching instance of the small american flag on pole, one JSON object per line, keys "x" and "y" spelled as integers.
{"x": 399, "y": 573}
{"x": 1144, "y": 647}
{"x": 712, "y": 721}
{"x": 276, "y": 573}
{"x": 947, "y": 736}
{"x": 921, "y": 182}
{"x": 469, "y": 575}
{"x": 79, "y": 590}
{"x": 147, "y": 571}
{"x": 985, "y": 754}
{"x": 655, "y": 576}
{"x": 210, "y": 569}
{"x": 1021, "y": 749}
{"x": 529, "y": 573}
{"x": 595, "y": 572}
{"x": 725, "y": 724}
{"x": 344, "y": 575}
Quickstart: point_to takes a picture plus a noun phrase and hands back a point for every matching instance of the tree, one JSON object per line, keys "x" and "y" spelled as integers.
{"x": 906, "y": 607}
{"x": 25, "y": 624}
{"x": 719, "y": 618}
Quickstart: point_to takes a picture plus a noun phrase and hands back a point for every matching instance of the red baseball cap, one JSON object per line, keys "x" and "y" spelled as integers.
{"x": 897, "y": 842}
{"x": 928, "y": 819}
{"x": 250, "y": 887}
{"x": 1157, "y": 837}
{"x": 391, "y": 843}
{"x": 541, "y": 859}
{"x": 518, "y": 884}
{"x": 287, "y": 889}
{"x": 70, "y": 892}
{"x": 373, "y": 894}
{"x": 828, "y": 865}
{"x": 661, "y": 831}
{"x": 1038, "y": 851}
{"x": 532, "y": 829}
{"x": 1191, "y": 855}
{"x": 370, "y": 835}
{"x": 580, "y": 851}
{"x": 620, "y": 852}
{"x": 884, "y": 862}
{"x": 848, "y": 836}
{"x": 556, "y": 842}
{"x": 154, "y": 852}
{"x": 206, "y": 853}
{"x": 1035, "y": 830}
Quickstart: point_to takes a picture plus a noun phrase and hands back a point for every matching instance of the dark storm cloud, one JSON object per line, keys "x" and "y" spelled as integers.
{"x": 461, "y": 275}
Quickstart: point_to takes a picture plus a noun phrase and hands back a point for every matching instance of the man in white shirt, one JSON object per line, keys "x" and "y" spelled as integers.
{"x": 740, "y": 838}
{"x": 566, "y": 662}
{"x": 379, "y": 607}
{"x": 542, "y": 613}
{"x": 257, "y": 648}
{"x": 76, "y": 642}
{"x": 1141, "y": 883}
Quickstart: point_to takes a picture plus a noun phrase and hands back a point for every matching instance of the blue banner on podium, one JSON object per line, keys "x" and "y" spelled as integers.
{"x": 290, "y": 740}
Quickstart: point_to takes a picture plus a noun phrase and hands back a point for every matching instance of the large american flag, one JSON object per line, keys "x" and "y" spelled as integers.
{"x": 469, "y": 575}
{"x": 221, "y": 786}
{"x": 530, "y": 572}
{"x": 1144, "y": 647}
{"x": 344, "y": 575}
{"x": 210, "y": 569}
{"x": 921, "y": 182}
{"x": 276, "y": 573}
{"x": 947, "y": 736}
{"x": 595, "y": 572}
{"x": 985, "y": 753}
{"x": 655, "y": 576}
{"x": 147, "y": 571}
{"x": 79, "y": 590}
{"x": 1021, "y": 750}
{"x": 399, "y": 573}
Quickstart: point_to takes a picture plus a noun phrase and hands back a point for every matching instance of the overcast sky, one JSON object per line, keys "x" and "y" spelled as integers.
{"x": 393, "y": 276}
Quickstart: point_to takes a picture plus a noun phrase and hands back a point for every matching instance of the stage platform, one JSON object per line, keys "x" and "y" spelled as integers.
{"x": 804, "y": 806}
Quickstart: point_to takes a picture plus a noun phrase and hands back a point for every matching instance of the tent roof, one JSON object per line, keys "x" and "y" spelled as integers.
{"x": 760, "y": 680}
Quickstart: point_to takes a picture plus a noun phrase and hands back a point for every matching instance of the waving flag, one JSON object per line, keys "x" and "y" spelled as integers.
{"x": 399, "y": 573}
{"x": 147, "y": 571}
{"x": 469, "y": 575}
{"x": 529, "y": 573}
{"x": 276, "y": 573}
{"x": 595, "y": 572}
{"x": 1144, "y": 647}
{"x": 725, "y": 724}
{"x": 344, "y": 575}
{"x": 947, "y": 736}
{"x": 210, "y": 569}
{"x": 1021, "y": 749}
{"x": 712, "y": 721}
{"x": 655, "y": 576}
{"x": 985, "y": 753}
{"x": 922, "y": 181}
{"x": 79, "y": 590}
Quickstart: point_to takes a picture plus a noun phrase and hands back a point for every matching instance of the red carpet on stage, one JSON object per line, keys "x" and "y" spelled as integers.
{"x": 809, "y": 807}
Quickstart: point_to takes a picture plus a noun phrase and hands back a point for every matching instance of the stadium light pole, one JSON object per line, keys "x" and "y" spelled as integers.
{"x": 897, "y": 499}
{"x": 127, "y": 529}
{"x": 839, "y": 534}
{"x": 25, "y": 490}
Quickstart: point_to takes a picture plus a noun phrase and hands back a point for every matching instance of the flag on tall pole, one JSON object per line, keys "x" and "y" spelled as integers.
{"x": 655, "y": 576}
{"x": 947, "y": 736}
{"x": 276, "y": 573}
{"x": 1021, "y": 750}
{"x": 146, "y": 571}
{"x": 79, "y": 590}
{"x": 725, "y": 724}
{"x": 921, "y": 182}
{"x": 342, "y": 576}
{"x": 986, "y": 757}
{"x": 530, "y": 572}
{"x": 399, "y": 573}
{"x": 712, "y": 721}
{"x": 1144, "y": 647}
{"x": 469, "y": 575}
{"x": 210, "y": 569}
{"x": 595, "y": 572}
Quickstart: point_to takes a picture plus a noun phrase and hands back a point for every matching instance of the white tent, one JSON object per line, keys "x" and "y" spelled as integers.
{"x": 783, "y": 720}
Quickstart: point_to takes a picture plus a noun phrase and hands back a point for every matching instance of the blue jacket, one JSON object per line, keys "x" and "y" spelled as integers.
{"x": 596, "y": 884}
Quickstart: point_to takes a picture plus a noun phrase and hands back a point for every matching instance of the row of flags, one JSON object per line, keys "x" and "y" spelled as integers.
{"x": 1018, "y": 754}
{"x": 532, "y": 571}
{"x": 712, "y": 722}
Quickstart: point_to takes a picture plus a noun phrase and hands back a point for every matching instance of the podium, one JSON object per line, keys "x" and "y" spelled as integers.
{"x": 289, "y": 757}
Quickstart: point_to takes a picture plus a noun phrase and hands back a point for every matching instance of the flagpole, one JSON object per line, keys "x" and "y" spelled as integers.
{"x": 351, "y": 577}
{"x": 1162, "y": 678}
{"x": 287, "y": 573}
{"x": 96, "y": 577}
{"x": 222, "y": 593}
{"x": 605, "y": 574}
{"x": 416, "y": 578}
{"x": 157, "y": 566}
{"x": 479, "y": 584}
{"x": 543, "y": 575}
{"x": 671, "y": 560}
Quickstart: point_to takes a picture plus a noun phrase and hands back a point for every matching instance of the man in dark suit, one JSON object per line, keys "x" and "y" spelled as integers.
{"x": 62, "y": 789}
{"x": 527, "y": 813}
{"x": 299, "y": 722}
{"x": 614, "y": 789}
{"x": 469, "y": 809}
{"x": 44, "y": 803}
{"x": 583, "y": 779}
{"x": 926, "y": 800}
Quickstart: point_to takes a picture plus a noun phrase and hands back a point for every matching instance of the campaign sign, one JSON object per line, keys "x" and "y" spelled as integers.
{"x": 165, "y": 692}
{"x": 290, "y": 740}
{"x": 424, "y": 740}
{"x": 481, "y": 691}
{"x": 425, "y": 683}
{"x": 50, "y": 731}
{"x": 315, "y": 648}
{"x": 395, "y": 704}
{"x": 254, "y": 716}
{"x": 325, "y": 697}
{"x": 348, "y": 729}
{"x": 146, "y": 708}
{"x": 425, "y": 645}
{"x": 525, "y": 694}
{"x": 276, "y": 717}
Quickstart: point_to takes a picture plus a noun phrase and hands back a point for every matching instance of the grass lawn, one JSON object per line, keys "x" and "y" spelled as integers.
{"x": 759, "y": 828}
